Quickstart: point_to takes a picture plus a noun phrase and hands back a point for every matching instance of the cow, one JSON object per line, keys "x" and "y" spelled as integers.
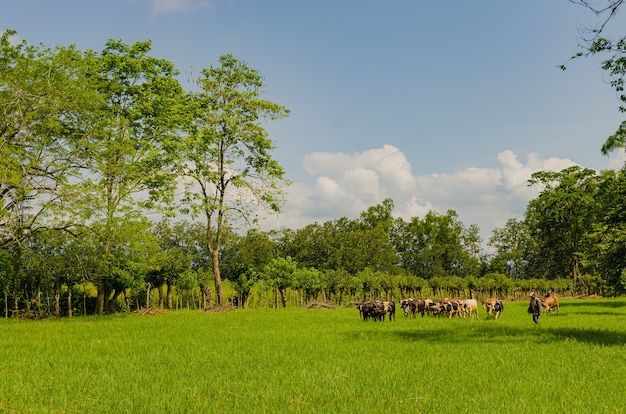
{"x": 488, "y": 305}
{"x": 470, "y": 308}
{"x": 452, "y": 307}
{"x": 376, "y": 310}
{"x": 493, "y": 307}
{"x": 389, "y": 307}
{"x": 409, "y": 306}
{"x": 436, "y": 308}
{"x": 366, "y": 309}
{"x": 550, "y": 302}
{"x": 498, "y": 307}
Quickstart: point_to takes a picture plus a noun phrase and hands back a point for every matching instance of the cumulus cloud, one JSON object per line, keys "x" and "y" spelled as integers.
{"x": 344, "y": 185}
{"x": 618, "y": 160}
{"x": 171, "y": 6}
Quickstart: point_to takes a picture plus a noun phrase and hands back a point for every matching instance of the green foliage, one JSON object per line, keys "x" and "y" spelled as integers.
{"x": 47, "y": 101}
{"x": 513, "y": 244}
{"x": 280, "y": 274}
{"x": 227, "y": 155}
{"x": 437, "y": 245}
{"x": 6, "y": 269}
{"x": 561, "y": 217}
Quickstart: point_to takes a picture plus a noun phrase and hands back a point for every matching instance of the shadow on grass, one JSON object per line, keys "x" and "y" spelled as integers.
{"x": 502, "y": 334}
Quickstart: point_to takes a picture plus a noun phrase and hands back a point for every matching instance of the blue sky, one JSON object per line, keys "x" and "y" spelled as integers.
{"x": 437, "y": 105}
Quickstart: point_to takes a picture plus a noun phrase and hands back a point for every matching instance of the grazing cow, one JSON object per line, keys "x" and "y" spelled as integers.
{"x": 436, "y": 308}
{"x": 389, "y": 309}
{"x": 493, "y": 307}
{"x": 413, "y": 306}
{"x": 550, "y": 303}
{"x": 470, "y": 308}
{"x": 452, "y": 307}
{"x": 377, "y": 310}
{"x": 498, "y": 307}
{"x": 409, "y": 306}
{"x": 368, "y": 310}
{"x": 488, "y": 305}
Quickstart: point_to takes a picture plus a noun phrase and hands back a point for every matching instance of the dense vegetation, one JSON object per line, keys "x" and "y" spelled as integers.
{"x": 95, "y": 143}
{"x": 318, "y": 360}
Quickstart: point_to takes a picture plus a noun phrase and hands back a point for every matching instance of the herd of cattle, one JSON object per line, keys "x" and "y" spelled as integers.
{"x": 463, "y": 308}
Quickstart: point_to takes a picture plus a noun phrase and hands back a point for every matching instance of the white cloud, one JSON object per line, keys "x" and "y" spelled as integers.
{"x": 347, "y": 184}
{"x": 171, "y": 6}
{"x": 617, "y": 161}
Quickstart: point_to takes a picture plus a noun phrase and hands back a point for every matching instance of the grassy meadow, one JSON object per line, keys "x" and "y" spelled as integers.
{"x": 318, "y": 360}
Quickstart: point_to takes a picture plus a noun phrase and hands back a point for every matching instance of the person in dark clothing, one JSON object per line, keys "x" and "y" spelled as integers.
{"x": 535, "y": 307}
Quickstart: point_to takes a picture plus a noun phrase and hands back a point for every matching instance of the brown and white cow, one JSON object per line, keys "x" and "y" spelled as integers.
{"x": 493, "y": 307}
{"x": 452, "y": 307}
{"x": 550, "y": 303}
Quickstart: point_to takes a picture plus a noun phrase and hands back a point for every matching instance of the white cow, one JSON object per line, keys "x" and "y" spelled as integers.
{"x": 470, "y": 308}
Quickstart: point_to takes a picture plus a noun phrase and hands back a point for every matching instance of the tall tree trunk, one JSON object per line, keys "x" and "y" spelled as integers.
{"x": 169, "y": 296}
{"x": 111, "y": 302}
{"x": 283, "y": 297}
{"x": 100, "y": 298}
{"x": 57, "y": 299}
{"x": 69, "y": 300}
{"x": 215, "y": 263}
{"x": 127, "y": 301}
{"x": 148, "y": 296}
{"x": 161, "y": 299}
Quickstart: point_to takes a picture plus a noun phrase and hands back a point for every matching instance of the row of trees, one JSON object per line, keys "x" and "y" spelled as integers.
{"x": 374, "y": 256}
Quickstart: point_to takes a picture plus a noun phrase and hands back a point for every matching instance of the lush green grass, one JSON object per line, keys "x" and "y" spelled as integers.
{"x": 318, "y": 360}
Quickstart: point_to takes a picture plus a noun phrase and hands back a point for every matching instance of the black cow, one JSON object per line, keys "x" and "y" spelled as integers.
{"x": 377, "y": 310}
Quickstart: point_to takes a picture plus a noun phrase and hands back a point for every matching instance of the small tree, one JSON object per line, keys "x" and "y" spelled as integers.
{"x": 227, "y": 156}
{"x": 279, "y": 273}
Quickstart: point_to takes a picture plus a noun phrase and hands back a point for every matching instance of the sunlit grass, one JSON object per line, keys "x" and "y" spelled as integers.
{"x": 318, "y": 360}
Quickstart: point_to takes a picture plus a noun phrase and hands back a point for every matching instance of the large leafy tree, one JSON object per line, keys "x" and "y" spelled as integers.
{"x": 608, "y": 237}
{"x": 437, "y": 246}
{"x": 279, "y": 273}
{"x": 314, "y": 245}
{"x": 46, "y": 102}
{"x": 560, "y": 218}
{"x": 228, "y": 154}
{"x": 127, "y": 156}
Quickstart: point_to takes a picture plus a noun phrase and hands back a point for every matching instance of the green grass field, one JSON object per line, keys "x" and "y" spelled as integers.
{"x": 318, "y": 360}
